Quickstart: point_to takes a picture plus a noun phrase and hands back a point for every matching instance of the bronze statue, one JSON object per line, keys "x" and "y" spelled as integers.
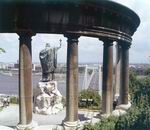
{"x": 48, "y": 59}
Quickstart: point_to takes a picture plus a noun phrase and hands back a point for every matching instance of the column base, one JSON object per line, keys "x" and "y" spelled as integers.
{"x": 118, "y": 112}
{"x": 71, "y": 125}
{"x": 116, "y": 96}
{"x": 31, "y": 126}
{"x": 124, "y": 106}
{"x": 104, "y": 115}
{"x": 121, "y": 109}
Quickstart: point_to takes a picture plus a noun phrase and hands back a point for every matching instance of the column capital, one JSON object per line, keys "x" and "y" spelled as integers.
{"x": 124, "y": 45}
{"x": 107, "y": 41}
{"x": 25, "y": 35}
{"x": 72, "y": 37}
{"x": 25, "y": 32}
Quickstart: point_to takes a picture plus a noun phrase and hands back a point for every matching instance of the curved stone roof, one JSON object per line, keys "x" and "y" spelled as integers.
{"x": 96, "y": 18}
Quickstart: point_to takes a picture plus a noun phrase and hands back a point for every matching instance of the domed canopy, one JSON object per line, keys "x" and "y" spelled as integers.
{"x": 96, "y": 18}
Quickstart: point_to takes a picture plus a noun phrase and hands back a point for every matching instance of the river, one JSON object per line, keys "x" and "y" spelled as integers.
{"x": 9, "y": 84}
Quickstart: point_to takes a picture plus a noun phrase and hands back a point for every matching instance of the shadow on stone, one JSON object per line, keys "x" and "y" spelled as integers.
{"x": 82, "y": 117}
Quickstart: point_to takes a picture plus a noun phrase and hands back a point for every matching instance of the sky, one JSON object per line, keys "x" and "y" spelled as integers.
{"x": 90, "y": 49}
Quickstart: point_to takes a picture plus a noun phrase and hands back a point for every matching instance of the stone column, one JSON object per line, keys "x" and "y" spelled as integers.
{"x": 72, "y": 81}
{"x": 100, "y": 79}
{"x": 25, "y": 81}
{"x": 124, "y": 73}
{"x": 117, "y": 71}
{"x": 107, "y": 89}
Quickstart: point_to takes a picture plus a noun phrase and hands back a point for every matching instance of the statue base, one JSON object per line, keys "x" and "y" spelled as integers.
{"x": 47, "y": 98}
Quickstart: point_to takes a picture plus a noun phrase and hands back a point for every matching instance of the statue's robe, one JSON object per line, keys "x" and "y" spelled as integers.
{"x": 48, "y": 58}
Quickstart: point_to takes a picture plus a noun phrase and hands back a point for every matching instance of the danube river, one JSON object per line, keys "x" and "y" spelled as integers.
{"x": 9, "y": 84}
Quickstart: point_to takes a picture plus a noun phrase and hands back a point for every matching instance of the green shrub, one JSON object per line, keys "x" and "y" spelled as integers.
{"x": 104, "y": 124}
{"x": 90, "y": 94}
{"x": 14, "y": 100}
{"x": 128, "y": 120}
{"x": 89, "y": 126}
{"x": 143, "y": 119}
{"x": 137, "y": 118}
{"x": 107, "y": 123}
{"x": 139, "y": 90}
{"x": 27, "y": 129}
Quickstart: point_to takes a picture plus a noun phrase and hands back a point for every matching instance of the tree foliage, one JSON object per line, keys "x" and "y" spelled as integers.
{"x": 138, "y": 116}
{"x": 140, "y": 90}
{"x": 148, "y": 71}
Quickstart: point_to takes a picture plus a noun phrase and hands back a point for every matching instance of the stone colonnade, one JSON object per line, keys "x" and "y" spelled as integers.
{"x": 25, "y": 78}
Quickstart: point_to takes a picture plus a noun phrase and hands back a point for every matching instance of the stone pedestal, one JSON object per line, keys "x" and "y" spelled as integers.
{"x": 47, "y": 98}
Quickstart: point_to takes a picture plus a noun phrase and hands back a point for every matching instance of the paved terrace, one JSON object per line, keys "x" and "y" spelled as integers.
{"x": 10, "y": 117}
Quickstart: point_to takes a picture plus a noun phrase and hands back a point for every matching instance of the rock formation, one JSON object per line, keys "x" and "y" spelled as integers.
{"x": 47, "y": 98}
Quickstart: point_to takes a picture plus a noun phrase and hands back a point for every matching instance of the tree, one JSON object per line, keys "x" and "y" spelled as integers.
{"x": 148, "y": 71}
{"x": 133, "y": 84}
{"x": 139, "y": 90}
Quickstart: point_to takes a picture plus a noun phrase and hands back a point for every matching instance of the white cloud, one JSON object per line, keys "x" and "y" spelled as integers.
{"x": 90, "y": 50}
{"x": 128, "y": 3}
{"x": 139, "y": 51}
{"x": 10, "y": 43}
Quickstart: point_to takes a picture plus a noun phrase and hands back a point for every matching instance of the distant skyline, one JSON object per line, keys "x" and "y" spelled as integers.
{"x": 90, "y": 49}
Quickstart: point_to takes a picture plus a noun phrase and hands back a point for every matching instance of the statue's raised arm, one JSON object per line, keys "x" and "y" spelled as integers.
{"x": 57, "y": 48}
